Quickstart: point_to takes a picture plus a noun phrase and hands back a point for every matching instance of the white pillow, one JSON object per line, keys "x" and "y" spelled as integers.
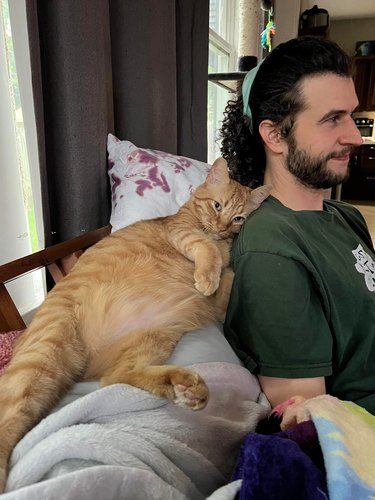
{"x": 146, "y": 183}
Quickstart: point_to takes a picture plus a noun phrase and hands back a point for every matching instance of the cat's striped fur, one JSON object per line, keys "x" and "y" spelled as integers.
{"x": 118, "y": 315}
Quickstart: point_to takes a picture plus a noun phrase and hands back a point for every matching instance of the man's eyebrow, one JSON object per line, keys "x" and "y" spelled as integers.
{"x": 334, "y": 112}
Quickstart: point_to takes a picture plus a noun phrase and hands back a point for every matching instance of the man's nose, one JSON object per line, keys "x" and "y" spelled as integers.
{"x": 351, "y": 134}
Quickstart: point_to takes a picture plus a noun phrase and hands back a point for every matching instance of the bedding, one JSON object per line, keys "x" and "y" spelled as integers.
{"x": 346, "y": 435}
{"x": 122, "y": 442}
{"x": 326, "y": 451}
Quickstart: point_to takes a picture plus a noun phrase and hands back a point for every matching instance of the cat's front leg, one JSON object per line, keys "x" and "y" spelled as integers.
{"x": 207, "y": 277}
{"x": 206, "y": 256}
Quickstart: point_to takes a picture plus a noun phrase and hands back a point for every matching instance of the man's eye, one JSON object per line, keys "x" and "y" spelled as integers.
{"x": 333, "y": 119}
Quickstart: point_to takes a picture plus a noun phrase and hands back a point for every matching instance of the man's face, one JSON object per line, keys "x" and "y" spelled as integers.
{"x": 324, "y": 133}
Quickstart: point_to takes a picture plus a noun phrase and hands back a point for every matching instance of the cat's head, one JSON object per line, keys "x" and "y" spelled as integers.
{"x": 223, "y": 204}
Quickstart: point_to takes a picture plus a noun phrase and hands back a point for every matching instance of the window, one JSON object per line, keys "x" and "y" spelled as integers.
{"x": 20, "y": 207}
{"x": 234, "y": 26}
{"x": 222, "y": 58}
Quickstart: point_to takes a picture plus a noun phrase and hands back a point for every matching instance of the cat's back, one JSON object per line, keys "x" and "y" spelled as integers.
{"x": 133, "y": 250}
{"x": 141, "y": 238}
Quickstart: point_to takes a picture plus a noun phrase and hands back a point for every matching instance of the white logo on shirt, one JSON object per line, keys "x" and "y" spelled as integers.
{"x": 366, "y": 266}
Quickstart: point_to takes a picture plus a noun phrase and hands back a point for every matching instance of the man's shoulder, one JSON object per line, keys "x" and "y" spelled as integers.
{"x": 274, "y": 218}
{"x": 271, "y": 216}
{"x": 274, "y": 228}
{"x": 344, "y": 207}
{"x": 352, "y": 216}
{"x": 271, "y": 224}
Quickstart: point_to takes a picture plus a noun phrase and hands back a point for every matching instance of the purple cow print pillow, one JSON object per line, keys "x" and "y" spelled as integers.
{"x": 146, "y": 183}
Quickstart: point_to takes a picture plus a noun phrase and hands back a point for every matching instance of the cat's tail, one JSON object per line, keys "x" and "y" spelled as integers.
{"x": 47, "y": 359}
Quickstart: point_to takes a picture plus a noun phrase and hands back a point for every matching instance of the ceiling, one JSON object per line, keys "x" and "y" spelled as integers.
{"x": 344, "y": 9}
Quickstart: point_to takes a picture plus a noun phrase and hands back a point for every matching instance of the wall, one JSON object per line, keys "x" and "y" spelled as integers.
{"x": 286, "y": 17}
{"x": 347, "y": 32}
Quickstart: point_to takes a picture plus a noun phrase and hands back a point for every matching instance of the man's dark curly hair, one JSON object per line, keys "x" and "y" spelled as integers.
{"x": 275, "y": 95}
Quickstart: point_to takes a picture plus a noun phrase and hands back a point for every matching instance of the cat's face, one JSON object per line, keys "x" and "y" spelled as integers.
{"x": 223, "y": 205}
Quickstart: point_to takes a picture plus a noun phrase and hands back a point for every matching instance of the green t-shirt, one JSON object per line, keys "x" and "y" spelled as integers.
{"x": 303, "y": 297}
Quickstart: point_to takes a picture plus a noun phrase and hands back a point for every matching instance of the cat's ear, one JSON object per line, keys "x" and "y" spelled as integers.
{"x": 218, "y": 173}
{"x": 259, "y": 194}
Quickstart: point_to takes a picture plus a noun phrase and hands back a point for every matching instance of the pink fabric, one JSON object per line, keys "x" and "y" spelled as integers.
{"x": 7, "y": 340}
{"x": 280, "y": 409}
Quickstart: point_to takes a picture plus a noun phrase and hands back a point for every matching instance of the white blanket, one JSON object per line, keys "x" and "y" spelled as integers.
{"x": 120, "y": 442}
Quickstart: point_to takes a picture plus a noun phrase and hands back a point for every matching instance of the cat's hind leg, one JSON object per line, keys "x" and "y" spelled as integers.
{"x": 48, "y": 358}
{"x": 137, "y": 362}
{"x": 180, "y": 385}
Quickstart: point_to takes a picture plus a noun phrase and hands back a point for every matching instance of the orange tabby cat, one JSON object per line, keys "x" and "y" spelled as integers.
{"x": 124, "y": 306}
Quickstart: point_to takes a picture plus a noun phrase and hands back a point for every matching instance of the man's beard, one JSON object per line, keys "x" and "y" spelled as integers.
{"x": 313, "y": 171}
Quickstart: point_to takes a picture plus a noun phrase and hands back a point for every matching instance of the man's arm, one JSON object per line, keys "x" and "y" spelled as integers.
{"x": 278, "y": 390}
{"x": 277, "y": 321}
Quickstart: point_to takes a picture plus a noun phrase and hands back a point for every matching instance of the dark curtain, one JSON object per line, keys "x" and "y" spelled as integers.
{"x": 135, "y": 68}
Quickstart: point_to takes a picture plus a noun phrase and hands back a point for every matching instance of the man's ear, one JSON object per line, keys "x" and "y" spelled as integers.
{"x": 270, "y": 133}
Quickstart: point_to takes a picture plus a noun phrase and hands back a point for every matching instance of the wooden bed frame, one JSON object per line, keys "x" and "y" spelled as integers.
{"x": 58, "y": 259}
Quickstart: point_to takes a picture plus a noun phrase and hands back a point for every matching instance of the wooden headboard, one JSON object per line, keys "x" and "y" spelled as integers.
{"x": 58, "y": 259}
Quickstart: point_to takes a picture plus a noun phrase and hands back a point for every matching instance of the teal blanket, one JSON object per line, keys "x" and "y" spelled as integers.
{"x": 347, "y": 437}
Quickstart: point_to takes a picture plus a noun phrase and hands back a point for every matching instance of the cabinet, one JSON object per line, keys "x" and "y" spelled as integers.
{"x": 361, "y": 182}
{"x": 364, "y": 81}
{"x": 368, "y": 162}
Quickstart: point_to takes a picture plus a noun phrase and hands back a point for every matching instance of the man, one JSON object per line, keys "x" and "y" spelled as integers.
{"x": 302, "y": 308}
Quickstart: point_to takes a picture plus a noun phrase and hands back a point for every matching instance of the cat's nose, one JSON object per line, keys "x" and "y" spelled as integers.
{"x": 222, "y": 227}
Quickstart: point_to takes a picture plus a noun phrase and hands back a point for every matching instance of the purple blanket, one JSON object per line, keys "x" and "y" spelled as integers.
{"x": 285, "y": 465}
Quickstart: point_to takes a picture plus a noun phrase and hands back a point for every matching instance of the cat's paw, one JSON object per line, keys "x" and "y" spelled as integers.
{"x": 206, "y": 283}
{"x": 190, "y": 390}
